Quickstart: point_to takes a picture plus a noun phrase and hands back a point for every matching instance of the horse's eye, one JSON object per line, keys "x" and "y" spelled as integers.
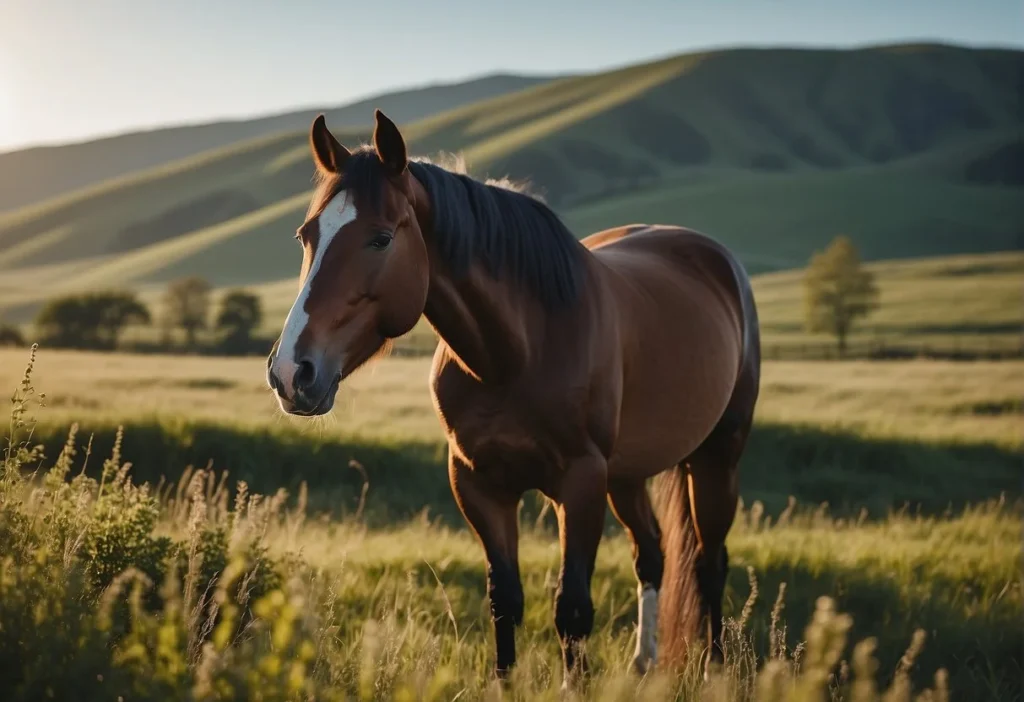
{"x": 381, "y": 240}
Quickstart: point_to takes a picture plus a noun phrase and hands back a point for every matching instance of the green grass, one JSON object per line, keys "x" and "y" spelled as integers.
{"x": 388, "y": 399}
{"x": 773, "y": 151}
{"x": 858, "y": 435}
{"x": 329, "y": 607}
{"x": 969, "y": 301}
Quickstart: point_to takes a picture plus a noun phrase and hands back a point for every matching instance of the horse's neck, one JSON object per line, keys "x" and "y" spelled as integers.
{"x": 483, "y": 321}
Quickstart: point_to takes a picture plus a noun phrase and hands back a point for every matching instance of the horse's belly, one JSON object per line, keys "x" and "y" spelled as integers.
{"x": 676, "y": 390}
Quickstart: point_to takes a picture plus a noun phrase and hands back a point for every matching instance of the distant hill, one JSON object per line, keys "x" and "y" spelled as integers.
{"x": 30, "y": 175}
{"x": 910, "y": 150}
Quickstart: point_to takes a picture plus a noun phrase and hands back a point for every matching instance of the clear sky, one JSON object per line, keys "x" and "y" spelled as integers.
{"x": 73, "y": 69}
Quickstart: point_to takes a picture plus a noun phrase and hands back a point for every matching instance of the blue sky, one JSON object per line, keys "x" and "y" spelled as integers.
{"x": 74, "y": 69}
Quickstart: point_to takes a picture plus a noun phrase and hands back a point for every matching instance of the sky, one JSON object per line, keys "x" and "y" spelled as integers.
{"x": 77, "y": 69}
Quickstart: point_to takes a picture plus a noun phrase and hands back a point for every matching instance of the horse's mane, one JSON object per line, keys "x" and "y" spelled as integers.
{"x": 497, "y": 222}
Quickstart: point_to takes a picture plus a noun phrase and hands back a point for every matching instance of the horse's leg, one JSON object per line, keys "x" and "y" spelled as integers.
{"x": 580, "y": 507}
{"x": 632, "y": 507}
{"x": 492, "y": 514}
{"x": 713, "y": 487}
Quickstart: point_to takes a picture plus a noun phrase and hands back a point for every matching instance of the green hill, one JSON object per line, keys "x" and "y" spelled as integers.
{"x": 30, "y": 175}
{"x": 911, "y": 151}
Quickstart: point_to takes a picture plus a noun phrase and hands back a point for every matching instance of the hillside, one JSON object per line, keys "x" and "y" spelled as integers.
{"x": 30, "y": 175}
{"x": 911, "y": 151}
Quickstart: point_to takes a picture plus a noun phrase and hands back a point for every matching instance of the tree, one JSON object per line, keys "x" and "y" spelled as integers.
{"x": 187, "y": 305}
{"x": 240, "y": 314}
{"x": 92, "y": 320}
{"x": 10, "y": 336}
{"x": 837, "y": 290}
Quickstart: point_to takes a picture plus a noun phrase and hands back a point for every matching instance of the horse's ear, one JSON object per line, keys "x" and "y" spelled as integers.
{"x": 388, "y": 142}
{"x": 328, "y": 152}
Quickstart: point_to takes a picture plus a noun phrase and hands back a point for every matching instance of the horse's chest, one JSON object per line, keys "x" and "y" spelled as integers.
{"x": 504, "y": 431}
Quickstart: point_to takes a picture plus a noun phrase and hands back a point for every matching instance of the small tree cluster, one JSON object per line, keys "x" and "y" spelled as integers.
{"x": 240, "y": 316}
{"x": 187, "y": 306}
{"x": 91, "y": 320}
{"x": 10, "y": 336}
{"x": 96, "y": 320}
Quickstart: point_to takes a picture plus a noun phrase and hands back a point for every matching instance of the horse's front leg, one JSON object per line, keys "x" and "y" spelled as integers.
{"x": 580, "y": 507}
{"x": 492, "y": 514}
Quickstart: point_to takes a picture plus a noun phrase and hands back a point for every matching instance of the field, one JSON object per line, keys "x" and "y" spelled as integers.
{"x": 167, "y": 533}
{"x": 367, "y": 585}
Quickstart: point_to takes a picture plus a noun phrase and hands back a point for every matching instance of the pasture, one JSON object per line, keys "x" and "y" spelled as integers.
{"x": 382, "y": 589}
{"x": 168, "y": 533}
{"x": 976, "y": 403}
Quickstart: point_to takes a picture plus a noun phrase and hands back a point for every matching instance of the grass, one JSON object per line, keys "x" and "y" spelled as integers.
{"x": 758, "y": 148}
{"x": 388, "y": 400}
{"x": 968, "y": 301}
{"x": 232, "y": 595}
{"x": 857, "y": 435}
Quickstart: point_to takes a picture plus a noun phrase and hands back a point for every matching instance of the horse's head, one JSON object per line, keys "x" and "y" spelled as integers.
{"x": 364, "y": 268}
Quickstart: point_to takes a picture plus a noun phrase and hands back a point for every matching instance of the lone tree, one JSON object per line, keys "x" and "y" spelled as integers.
{"x": 92, "y": 320}
{"x": 837, "y": 290}
{"x": 187, "y": 305}
{"x": 239, "y": 316}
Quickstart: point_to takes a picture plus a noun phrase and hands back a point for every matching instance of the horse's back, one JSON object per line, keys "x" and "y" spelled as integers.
{"x": 688, "y": 331}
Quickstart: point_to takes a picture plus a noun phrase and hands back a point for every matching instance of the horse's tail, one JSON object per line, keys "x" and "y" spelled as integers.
{"x": 679, "y": 606}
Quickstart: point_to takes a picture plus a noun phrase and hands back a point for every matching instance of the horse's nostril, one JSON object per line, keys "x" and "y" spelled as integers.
{"x": 305, "y": 375}
{"x": 272, "y": 379}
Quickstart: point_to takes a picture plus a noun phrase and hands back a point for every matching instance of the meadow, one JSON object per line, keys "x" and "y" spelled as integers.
{"x": 891, "y": 489}
{"x": 166, "y": 533}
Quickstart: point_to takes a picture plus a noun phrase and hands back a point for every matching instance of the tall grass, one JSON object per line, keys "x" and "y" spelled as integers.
{"x": 111, "y": 589}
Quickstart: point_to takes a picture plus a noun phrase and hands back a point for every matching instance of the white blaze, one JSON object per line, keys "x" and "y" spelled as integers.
{"x": 335, "y": 216}
{"x": 647, "y": 628}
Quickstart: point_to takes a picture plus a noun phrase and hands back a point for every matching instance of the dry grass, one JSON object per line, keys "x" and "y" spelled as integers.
{"x": 977, "y": 402}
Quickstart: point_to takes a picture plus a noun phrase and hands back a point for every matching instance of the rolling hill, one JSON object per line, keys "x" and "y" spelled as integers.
{"x": 910, "y": 150}
{"x": 30, "y": 175}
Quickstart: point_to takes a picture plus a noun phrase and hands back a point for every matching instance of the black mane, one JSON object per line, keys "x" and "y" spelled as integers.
{"x": 509, "y": 231}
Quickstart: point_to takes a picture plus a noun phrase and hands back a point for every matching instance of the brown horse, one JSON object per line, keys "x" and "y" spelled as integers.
{"x": 580, "y": 369}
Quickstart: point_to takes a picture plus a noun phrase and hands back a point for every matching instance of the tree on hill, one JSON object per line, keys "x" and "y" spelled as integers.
{"x": 187, "y": 305}
{"x": 240, "y": 315}
{"x": 837, "y": 291}
{"x": 92, "y": 320}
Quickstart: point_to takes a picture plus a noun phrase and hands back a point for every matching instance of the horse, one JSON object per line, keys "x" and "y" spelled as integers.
{"x": 579, "y": 368}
